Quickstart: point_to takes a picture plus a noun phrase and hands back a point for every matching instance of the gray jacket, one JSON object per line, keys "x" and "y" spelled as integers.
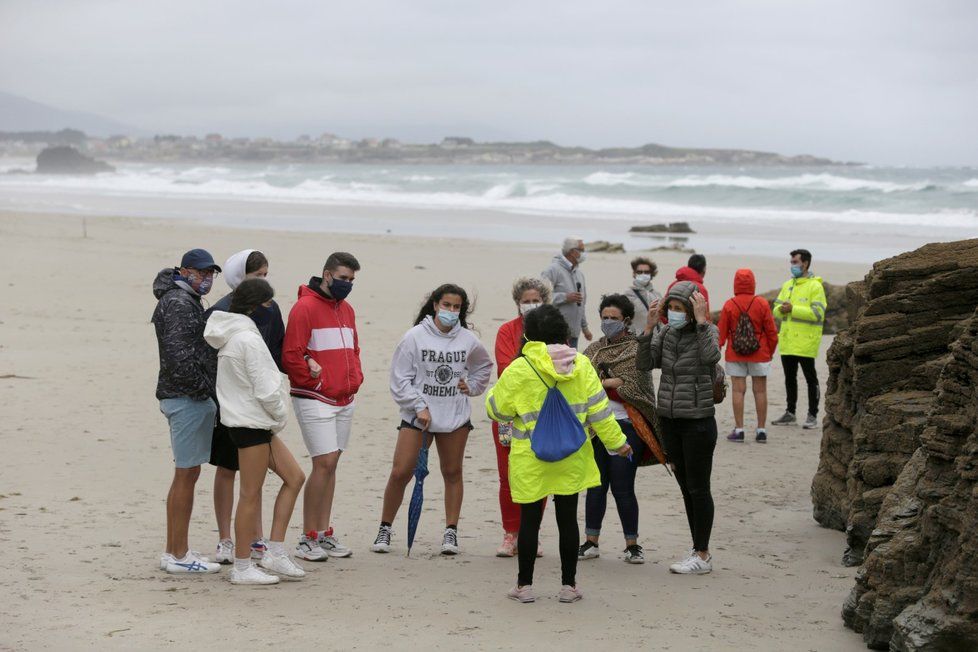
{"x": 641, "y": 297}
{"x": 564, "y": 280}
{"x": 687, "y": 357}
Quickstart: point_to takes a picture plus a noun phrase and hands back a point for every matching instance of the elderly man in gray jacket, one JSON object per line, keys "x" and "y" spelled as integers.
{"x": 570, "y": 293}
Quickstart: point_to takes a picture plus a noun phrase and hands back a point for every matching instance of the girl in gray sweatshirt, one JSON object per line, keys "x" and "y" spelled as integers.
{"x": 438, "y": 365}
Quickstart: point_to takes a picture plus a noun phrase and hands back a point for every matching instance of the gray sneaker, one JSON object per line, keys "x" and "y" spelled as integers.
{"x": 811, "y": 423}
{"x": 785, "y": 419}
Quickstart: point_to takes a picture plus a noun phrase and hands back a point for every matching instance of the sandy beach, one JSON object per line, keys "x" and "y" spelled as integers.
{"x": 88, "y": 463}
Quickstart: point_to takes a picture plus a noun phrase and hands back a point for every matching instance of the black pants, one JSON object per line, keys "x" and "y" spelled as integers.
{"x": 790, "y": 364}
{"x": 689, "y": 444}
{"x": 531, "y": 514}
{"x": 618, "y": 474}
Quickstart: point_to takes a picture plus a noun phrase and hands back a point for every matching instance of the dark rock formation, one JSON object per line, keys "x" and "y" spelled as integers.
{"x": 899, "y": 454}
{"x": 605, "y": 246}
{"x": 68, "y": 160}
{"x": 672, "y": 227}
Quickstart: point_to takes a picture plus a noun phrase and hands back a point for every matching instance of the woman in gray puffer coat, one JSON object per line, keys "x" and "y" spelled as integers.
{"x": 687, "y": 350}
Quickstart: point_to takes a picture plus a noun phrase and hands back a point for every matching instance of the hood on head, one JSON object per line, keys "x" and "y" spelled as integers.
{"x": 688, "y": 274}
{"x": 431, "y": 327}
{"x": 744, "y": 282}
{"x": 164, "y": 282}
{"x": 221, "y": 326}
{"x": 234, "y": 268}
{"x": 683, "y": 290}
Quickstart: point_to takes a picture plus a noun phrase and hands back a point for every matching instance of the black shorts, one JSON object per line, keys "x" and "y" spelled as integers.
{"x": 405, "y": 424}
{"x": 223, "y": 451}
{"x": 248, "y": 437}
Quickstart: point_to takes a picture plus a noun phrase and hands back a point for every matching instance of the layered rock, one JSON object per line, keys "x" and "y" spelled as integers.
{"x": 882, "y": 374}
{"x": 918, "y": 588}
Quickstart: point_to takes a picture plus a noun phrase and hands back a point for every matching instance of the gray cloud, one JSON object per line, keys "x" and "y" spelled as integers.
{"x": 879, "y": 81}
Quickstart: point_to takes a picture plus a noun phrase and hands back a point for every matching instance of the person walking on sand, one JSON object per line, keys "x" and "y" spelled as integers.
{"x": 747, "y": 327}
{"x": 321, "y": 355}
{"x": 613, "y": 357}
{"x": 570, "y": 288}
{"x": 528, "y": 294}
{"x": 521, "y": 397}
{"x": 800, "y": 312}
{"x": 687, "y": 350}
{"x": 640, "y": 292}
{"x": 185, "y": 387}
{"x": 252, "y": 394}
{"x": 249, "y": 263}
{"x": 436, "y": 367}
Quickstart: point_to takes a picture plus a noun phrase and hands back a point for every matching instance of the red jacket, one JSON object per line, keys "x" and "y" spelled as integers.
{"x": 509, "y": 343}
{"x": 759, "y": 311}
{"x": 325, "y": 330}
{"x": 691, "y": 275}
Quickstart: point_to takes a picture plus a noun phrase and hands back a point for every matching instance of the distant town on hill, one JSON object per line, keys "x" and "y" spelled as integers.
{"x": 330, "y": 148}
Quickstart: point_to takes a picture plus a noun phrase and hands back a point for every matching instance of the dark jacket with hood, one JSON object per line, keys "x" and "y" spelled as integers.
{"x": 188, "y": 365}
{"x": 687, "y": 357}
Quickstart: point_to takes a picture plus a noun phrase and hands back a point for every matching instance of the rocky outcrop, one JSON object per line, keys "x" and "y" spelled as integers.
{"x": 899, "y": 452}
{"x": 605, "y": 246}
{"x": 671, "y": 227}
{"x": 918, "y": 588}
{"x": 68, "y": 160}
{"x": 882, "y": 373}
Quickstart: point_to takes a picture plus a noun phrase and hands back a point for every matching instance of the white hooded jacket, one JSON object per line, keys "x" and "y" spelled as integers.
{"x": 251, "y": 391}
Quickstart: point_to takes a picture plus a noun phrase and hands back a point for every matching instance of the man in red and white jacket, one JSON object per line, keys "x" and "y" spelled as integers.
{"x": 321, "y": 354}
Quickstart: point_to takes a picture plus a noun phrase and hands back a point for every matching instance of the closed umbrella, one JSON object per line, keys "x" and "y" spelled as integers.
{"x": 417, "y": 495}
{"x": 644, "y": 431}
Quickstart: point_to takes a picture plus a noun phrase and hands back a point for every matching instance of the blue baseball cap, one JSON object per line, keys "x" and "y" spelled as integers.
{"x": 199, "y": 259}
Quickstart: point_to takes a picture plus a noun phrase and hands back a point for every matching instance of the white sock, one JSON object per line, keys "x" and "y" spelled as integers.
{"x": 738, "y": 429}
{"x": 277, "y": 548}
{"x": 242, "y": 564}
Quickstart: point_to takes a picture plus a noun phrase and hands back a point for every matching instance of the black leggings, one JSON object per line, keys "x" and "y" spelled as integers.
{"x": 689, "y": 444}
{"x": 791, "y": 364}
{"x": 531, "y": 514}
{"x": 618, "y": 474}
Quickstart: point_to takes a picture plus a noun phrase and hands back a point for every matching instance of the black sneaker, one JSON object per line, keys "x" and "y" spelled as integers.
{"x": 588, "y": 550}
{"x": 634, "y": 554}
{"x": 761, "y": 437}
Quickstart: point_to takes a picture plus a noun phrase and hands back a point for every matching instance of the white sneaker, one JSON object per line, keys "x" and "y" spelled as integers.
{"x": 190, "y": 564}
{"x": 383, "y": 541}
{"x": 674, "y": 568}
{"x": 283, "y": 566}
{"x": 332, "y": 546}
{"x": 449, "y": 543}
{"x": 166, "y": 558}
{"x": 309, "y": 549}
{"x": 253, "y": 575}
{"x": 694, "y": 565}
{"x": 225, "y": 552}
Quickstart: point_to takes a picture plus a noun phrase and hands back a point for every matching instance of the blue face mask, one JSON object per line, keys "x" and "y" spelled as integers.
{"x": 677, "y": 318}
{"x": 796, "y": 271}
{"x": 447, "y": 317}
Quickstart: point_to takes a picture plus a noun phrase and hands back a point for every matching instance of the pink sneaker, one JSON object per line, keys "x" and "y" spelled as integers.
{"x": 539, "y": 548}
{"x": 522, "y": 594}
{"x": 569, "y": 594}
{"x": 508, "y": 546}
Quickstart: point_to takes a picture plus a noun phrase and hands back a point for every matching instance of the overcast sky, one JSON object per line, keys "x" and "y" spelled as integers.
{"x": 888, "y": 81}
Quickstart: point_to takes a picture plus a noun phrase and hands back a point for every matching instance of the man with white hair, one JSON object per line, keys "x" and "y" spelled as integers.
{"x": 570, "y": 293}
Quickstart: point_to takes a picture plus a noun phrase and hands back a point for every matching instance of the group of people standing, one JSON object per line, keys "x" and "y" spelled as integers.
{"x": 564, "y": 421}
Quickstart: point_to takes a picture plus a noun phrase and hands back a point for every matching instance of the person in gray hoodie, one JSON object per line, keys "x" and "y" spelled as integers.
{"x": 687, "y": 350}
{"x": 436, "y": 367}
{"x": 570, "y": 289}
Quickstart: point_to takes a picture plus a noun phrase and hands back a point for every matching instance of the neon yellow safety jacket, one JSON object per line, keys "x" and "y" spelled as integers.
{"x": 800, "y": 331}
{"x": 518, "y": 397}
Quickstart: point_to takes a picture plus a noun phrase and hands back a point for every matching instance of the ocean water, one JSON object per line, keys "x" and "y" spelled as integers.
{"x": 853, "y": 213}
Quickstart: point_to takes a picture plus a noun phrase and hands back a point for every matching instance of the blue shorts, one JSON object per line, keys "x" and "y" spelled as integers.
{"x": 191, "y": 429}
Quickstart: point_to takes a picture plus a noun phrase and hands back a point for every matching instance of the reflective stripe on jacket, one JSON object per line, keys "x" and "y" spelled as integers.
{"x": 800, "y": 331}
{"x": 518, "y": 397}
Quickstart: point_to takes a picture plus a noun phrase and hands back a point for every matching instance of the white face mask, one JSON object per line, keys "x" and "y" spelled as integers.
{"x": 643, "y": 279}
{"x": 527, "y": 307}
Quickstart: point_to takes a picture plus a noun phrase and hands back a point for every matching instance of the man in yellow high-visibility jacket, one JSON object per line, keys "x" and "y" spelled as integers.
{"x": 800, "y": 313}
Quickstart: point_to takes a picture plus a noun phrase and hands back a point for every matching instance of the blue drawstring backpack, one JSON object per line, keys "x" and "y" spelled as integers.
{"x": 558, "y": 433}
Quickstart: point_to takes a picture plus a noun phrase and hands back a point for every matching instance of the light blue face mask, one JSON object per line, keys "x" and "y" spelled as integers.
{"x": 447, "y": 317}
{"x": 796, "y": 271}
{"x": 677, "y": 318}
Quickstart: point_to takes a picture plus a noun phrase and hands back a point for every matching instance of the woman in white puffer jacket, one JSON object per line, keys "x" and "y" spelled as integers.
{"x": 253, "y": 398}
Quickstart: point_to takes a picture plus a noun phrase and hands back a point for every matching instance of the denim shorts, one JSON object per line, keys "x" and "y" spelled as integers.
{"x": 191, "y": 429}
